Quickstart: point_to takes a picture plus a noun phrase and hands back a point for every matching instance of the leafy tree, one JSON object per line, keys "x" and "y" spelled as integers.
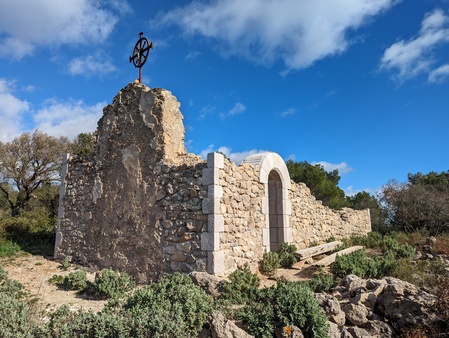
{"x": 420, "y": 203}
{"x": 28, "y": 162}
{"x": 363, "y": 200}
{"x": 85, "y": 143}
{"x": 322, "y": 184}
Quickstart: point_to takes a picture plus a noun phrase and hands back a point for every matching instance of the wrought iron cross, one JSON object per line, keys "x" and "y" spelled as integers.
{"x": 140, "y": 54}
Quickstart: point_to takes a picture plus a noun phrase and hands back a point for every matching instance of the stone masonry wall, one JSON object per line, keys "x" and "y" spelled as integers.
{"x": 241, "y": 207}
{"x": 136, "y": 204}
{"x": 313, "y": 222}
{"x": 141, "y": 204}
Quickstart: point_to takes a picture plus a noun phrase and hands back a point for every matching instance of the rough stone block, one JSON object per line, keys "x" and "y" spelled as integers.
{"x": 210, "y": 176}
{"x": 210, "y": 241}
{"x": 215, "y": 262}
{"x": 214, "y": 191}
{"x": 215, "y": 223}
{"x": 215, "y": 160}
{"x": 211, "y": 206}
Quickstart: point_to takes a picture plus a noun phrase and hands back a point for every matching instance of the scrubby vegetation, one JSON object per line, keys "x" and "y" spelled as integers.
{"x": 272, "y": 260}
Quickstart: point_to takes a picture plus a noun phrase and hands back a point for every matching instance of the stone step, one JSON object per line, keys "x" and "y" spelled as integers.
{"x": 331, "y": 258}
{"x": 317, "y": 250}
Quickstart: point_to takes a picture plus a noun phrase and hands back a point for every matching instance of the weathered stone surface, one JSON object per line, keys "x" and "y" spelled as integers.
{"x": 356, "y": 314}
{"x": 209, "y": 283}
{"x": 141, "y": 204}
{"x": 224, "y": 328}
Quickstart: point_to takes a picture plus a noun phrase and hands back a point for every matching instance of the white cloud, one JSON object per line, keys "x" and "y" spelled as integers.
{"x": 296, "y": 32}
{"x": 25, "y": 25}
{"x": 68, "y": 118}
{"x": 350, "y": 191}
{"x": 11, "y": 111}
{"x": 236, "y": 157}
{"x": 342, "y": 167}
{"x": 238, "y": 108}
{"x": 205, "y": 111}
{"x": 98, "y": 64}
{"x": 439, "y": 74}
{"x": 288, "y": 112}
{"x": 192, "y": 55}
{"x": 415, "y": 56}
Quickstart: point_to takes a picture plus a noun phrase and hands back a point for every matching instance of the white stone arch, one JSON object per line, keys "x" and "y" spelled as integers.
{"x": 276, "y": 206}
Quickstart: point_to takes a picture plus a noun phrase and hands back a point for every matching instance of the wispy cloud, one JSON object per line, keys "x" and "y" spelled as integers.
{"x": 206, "y": 111}
{"x": 236, "y": 157}
{"x": 439, "y": 75}
{"x": 98, "y": 64}
{"x": 238, "y": 108}
{"x": 192, "y": 55}
{"x": 288, "y": 112}
{"x": 408, "y": 59}
{"x": 343, "y": 167}
{"x": 26, "y": 25}
{"x": 297, "y": 32}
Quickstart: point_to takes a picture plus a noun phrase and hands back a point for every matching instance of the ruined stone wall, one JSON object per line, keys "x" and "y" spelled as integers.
{"x": 136, "y": 204}
{"x": 313, "y": 222}
{"x": 241, "y": 206}
{"x": 141, "y": 204}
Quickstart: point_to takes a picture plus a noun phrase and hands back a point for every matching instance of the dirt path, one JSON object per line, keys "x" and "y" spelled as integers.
{"x": 34, "y": 271}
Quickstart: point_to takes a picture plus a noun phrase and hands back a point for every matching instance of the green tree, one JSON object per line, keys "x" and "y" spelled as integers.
{"x": 322, "y": 184}
{"x": 84, "y": 143}
{"x": 28, "y": 162}
{"x": 363, "y": 200}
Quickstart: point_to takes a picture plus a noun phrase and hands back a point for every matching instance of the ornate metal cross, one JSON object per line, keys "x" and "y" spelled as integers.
{"x": 140, "y": 54}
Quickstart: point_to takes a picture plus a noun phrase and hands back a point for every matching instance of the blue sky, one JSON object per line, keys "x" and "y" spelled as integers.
{"x": 357, "y": 85}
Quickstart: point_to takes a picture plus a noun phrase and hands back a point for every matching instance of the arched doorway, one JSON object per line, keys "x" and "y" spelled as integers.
{"x": 275, "y": 210}
{"x": 275, "y": 203}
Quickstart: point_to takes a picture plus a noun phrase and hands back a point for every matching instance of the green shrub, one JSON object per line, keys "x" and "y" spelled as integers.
{"x": 357, "y": 263}
{"x": 112, "y": 284}
{"x": 14, "y": 313}
{"x": 243, "y": 286}
{"x": 65, "y": 264}
{"x": 174, "y": 307}
{"x": 270, "y": 263}
{"x": 56, "y": 280}
{"x": 321, "y": 283}
{"x": 286, "y": 255}
{"x": 289, "y": 303}
{"x": 8, "y": 248}
{"x": 64, "y": 323}
{"x": 76, "y": 281}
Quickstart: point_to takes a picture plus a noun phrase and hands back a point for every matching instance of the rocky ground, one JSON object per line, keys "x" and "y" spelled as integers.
{"x": 34, "y": 271}
{"x": 355, "y": 307}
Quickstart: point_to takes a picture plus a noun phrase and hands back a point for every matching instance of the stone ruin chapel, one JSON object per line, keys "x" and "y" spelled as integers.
{"x": 141, "y": 204}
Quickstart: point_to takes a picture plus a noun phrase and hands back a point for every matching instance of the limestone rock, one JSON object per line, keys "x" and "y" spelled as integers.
{"x": 209, "y": 283}
{"x": 356, "y": 314}
{"x": 224, "y": 328}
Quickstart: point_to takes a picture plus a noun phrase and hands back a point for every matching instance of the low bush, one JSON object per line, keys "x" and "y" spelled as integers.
{"x": 270, "y": 263}
{"x": 242, "y": 287}
{"x": 289, "y": 303}
{"x": 322, "y": 282}
{"x": 286, "y": 255}
{"x": 284, "y": 258}
{"x": 174, "y": 307}
{"x": 8, "y": 248}
{"x": 357, "y": 263}
{"x": 112, "y": 284}
{"x": 15, "y": 321}
{"x": 76, "y": 281}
